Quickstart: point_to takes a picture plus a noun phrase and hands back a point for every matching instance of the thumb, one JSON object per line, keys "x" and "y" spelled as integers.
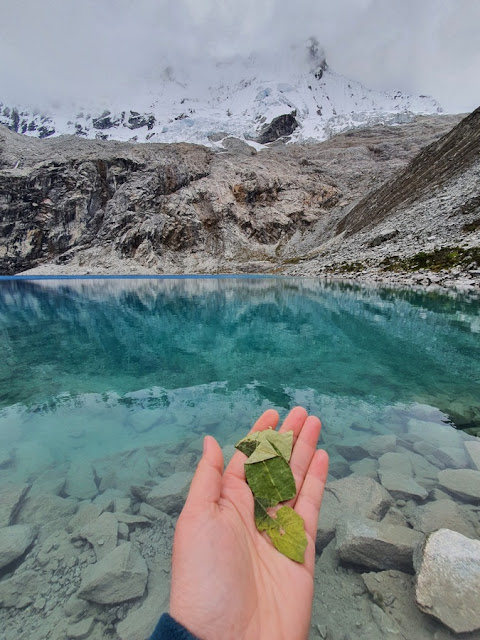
{"x": 207, "y": 481}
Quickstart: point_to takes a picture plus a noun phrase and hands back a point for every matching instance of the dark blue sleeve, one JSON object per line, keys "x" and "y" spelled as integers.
{"x": 169, "y": 629}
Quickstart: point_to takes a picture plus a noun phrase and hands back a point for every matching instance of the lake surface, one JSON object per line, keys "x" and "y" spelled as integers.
{"x": 93, "y": 368}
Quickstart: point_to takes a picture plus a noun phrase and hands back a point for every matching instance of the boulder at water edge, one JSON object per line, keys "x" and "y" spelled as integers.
{"x": 448, "y": 579}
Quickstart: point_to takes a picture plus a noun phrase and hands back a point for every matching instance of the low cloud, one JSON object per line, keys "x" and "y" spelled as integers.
{"x": 65, "y": 50}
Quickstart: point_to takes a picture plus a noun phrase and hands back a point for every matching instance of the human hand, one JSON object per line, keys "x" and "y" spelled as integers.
{"x": 228, "y": 581}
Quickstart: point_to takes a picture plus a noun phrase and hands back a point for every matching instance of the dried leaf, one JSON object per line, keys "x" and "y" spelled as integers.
{"x": 288, "y": 536}
{"x": 271, "y": 480}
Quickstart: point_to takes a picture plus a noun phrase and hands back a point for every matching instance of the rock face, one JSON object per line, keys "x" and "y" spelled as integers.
{"x": 79, "y": 203}
{"x": 278, "y": 128}
{"x": 376, "y": 545}
{"x": 14, "y": 541}
{"x": 448, "y": 580}
{"x": 119, "y": 576}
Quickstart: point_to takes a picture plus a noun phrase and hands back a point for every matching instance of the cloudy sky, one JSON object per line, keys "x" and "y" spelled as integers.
{"x": 66, "y": 49}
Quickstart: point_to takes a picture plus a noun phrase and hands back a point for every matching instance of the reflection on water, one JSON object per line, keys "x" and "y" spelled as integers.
{"x": 90, "y": 368}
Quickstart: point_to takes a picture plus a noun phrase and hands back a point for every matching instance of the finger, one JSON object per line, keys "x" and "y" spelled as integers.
{"x": 310, "y": 497}
{"x": 207, "y": 481}
{"x": 303, "y": 452}
{"x": 294, "y": 421}
{"x": 236, "y": 465}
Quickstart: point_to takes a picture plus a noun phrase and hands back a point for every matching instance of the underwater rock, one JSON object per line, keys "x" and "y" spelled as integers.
{"x": 339, "y": 468}
{"x": 80, "y": 482}
{"x": 140, "y": 623}
{"x": 81, "y": 629}
{"x": 441, "y": 435}
{"x": 441, "y": 514}
{"x": 11, "y": 496}
{"x": 50, "y": 481}
{"x": 170, "y": 493}
{"x": 395, "y": 516}
{"x": 121, "y": 575}
{"x": 86, "y": 513}
{"x": 102, "y": 534}
{"x": 352, "y": 451}
{"x": 379, "y": 445}
{"x": 448, "y": 579}
{"x": 366, "y": 467}
{"x": 376, "y": 545}
{"x": 52, "y": 512}
{"x": 401, "y": 486}
{"x": 461, "y": 482}
{"x": 20, "y": 590}
{"x": 354, "y": 495}
{"x": 14, "y": 541}
{"x": 473, "y": 452}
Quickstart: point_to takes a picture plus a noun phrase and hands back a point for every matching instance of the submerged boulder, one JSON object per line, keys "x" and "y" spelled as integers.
{"x": 11, "y": 496}
{"x": 121, "y": 575}
{"x": 14, "y": 541}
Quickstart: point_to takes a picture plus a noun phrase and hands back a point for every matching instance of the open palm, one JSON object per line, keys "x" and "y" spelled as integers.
{"x": 228, "y": 581}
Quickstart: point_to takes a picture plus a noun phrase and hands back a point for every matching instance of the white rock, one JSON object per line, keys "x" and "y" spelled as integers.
{"x": 448, "y": 579}
{"x": 14, "y": 541}
{"x": 121, "y": 575}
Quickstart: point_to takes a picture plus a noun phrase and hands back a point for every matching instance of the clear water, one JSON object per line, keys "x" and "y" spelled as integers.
{"x": 89, "y": 368}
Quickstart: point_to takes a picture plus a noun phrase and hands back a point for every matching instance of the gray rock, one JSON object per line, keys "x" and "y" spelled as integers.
{"x": 441, "y": 514}
{"x": 86, "y": 513}
{"x": 394, "y": 592}
{"x": 102, "y": 534}
{"x": 75, "y": 607}
{"x": 473, "y": 453}
{"x": 386, "y": 234}
{"x": 147, "y": 511}
{"x": 448, "y": 579}
{"x": 14, "y": 541}
{"x": 461, "y": 482}
{"x": 106, "y": 499}
{"x": 396, "y": 517}
{"x": 11, "y": 496}
{"x": 50, "y": 481}
{"x": 80, "y": 481}
{"x": 170, "y": 493}
{"x": 352, "y": 451}
{"x": 366, "y": 467}
{"x": 398, "y": 462}
{"x": 441, "y": 435}
{"x": 51, "y": 512}
{"x": 379, "y": 445}
{"x": 140, "y": 623}
{"x": 81, "y": 629}
{"x": 401, "y": 486}
{"x": 376, "y": 545}
{"x": 280, "y": 126}
{"x": 20, "y": 590}
{"x": 238, "y": 146}
{"x": 452, "y": 457}
{"x": 121, "y": 575}
{"x": 130, "y": 519}
{"x": 122, "y": 505}
{"x": 354, "y": 495}
{"x": 339, "y": 468}
{"x": 6, "y": 458}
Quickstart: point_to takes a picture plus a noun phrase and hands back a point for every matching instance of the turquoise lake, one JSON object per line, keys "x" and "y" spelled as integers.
{"x": 108, "y": 386}
{"x": 91, "y": 367}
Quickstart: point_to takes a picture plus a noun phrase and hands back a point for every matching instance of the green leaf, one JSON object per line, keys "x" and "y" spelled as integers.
{"x": 263, "y": 520}
{"x": 288, "y": 536}
{"x": 271, "y": 480}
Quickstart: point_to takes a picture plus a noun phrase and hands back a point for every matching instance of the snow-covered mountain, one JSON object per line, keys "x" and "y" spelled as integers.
{"x": 239, "y": 97}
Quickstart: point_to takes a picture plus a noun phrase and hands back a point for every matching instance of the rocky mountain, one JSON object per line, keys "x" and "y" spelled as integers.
{"x": 69, "y": 205}
{"x": 291, "y": 94}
